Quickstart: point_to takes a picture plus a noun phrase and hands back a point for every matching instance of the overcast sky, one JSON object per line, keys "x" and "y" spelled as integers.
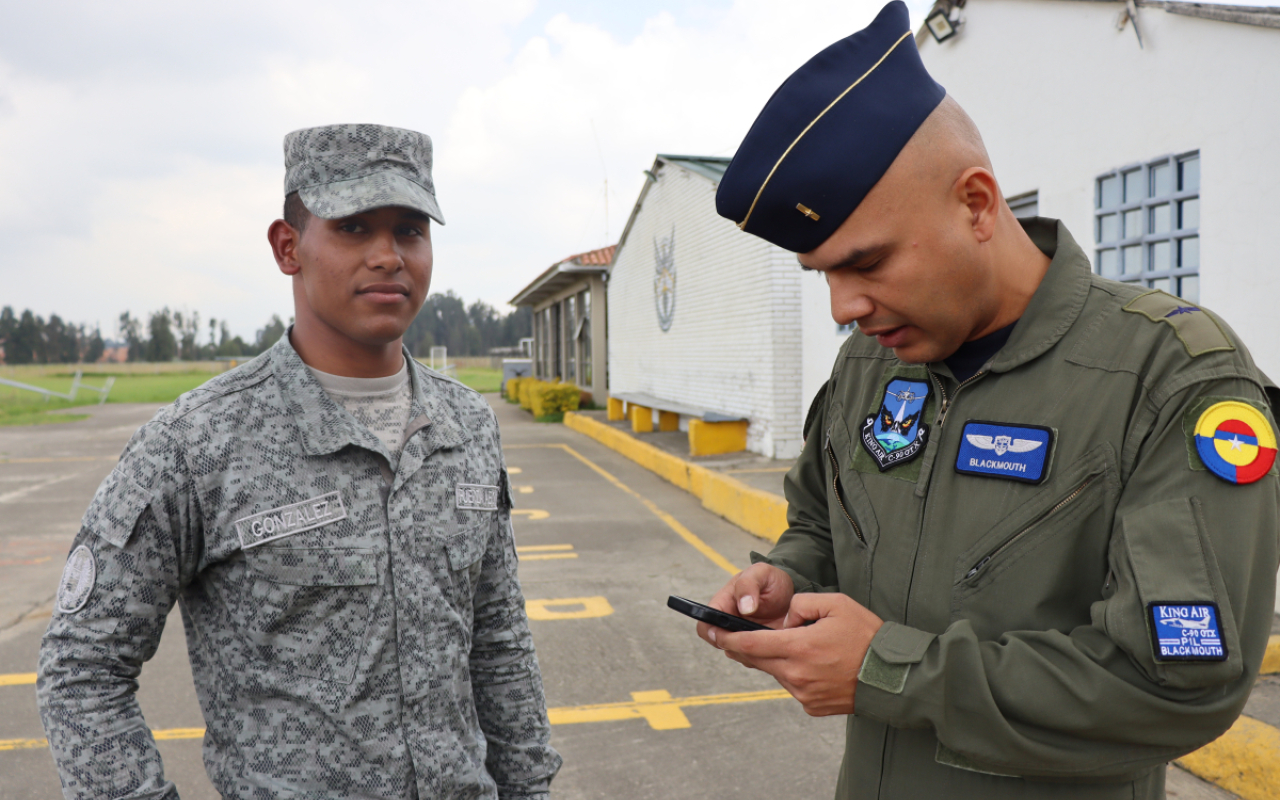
{"x": 140, "y": 142}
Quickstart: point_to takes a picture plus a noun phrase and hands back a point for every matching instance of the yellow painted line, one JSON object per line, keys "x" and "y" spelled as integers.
{"x": 762, "y": 469}
{"x": 543, "y": 548}
{"x": 18, "y": 679}
{"x": 524, "y": 489}
{"x": 547, "y": 556}
{"x": 531, "y": 513}
{"x": 658, "y": 708}
{"x": 1245, "y": 760}
{"x": 672, "y": 523}
{"x": 568, "y": 608}
{"x": 1271, "y": 659}
{"x": 756, "y": 511}
{"x": 514, "y": 470}
{"x": 545, "y": 552}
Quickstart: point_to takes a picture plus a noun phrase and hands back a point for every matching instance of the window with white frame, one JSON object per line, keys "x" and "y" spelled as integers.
{"x": 1147, "y": 224}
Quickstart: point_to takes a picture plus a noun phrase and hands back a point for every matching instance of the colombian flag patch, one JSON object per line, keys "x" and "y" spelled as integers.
{"x": 1235, "y": 441}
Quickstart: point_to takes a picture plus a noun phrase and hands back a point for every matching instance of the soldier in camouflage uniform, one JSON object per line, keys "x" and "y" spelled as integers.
{"x": 334, "y": 521}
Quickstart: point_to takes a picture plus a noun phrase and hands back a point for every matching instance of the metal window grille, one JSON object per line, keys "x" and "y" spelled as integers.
{"x": 1147, "y": 224}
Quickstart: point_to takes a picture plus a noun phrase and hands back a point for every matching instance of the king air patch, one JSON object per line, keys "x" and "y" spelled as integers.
{"x": 895, "y": 434}
{"x": 997, "y": 450}
{"x": 1186, "y": 632}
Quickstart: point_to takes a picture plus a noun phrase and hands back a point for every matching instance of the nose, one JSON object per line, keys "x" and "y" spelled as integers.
{"x": 384, "y": 252}
{"x": 849, "y": 299}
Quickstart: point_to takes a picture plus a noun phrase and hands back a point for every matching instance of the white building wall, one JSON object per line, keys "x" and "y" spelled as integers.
{"x": 822, "y": 341}
{"x": 734, "y": 341}
{"x": 1061, "y": 96}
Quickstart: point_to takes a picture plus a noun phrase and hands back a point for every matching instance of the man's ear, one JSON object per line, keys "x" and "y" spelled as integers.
{"x": 284, "y": 240}
{"x": 977, "y": 189}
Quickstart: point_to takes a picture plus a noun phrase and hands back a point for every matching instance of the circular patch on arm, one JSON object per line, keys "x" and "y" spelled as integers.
{"x": 78, "y": 578}
{"x": 1235, "y": 442}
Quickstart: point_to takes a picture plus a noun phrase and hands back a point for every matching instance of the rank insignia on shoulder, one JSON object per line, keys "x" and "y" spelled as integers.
{"x": 1186, "y": 632}
{"x": 1197, "y": 331}
{"x": 998, "y": 450}
{"x": 1235, "y": 442}
{"x": 895, "y": 434}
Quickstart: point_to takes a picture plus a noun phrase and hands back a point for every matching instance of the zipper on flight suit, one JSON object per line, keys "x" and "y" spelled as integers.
{"x": 835, "y": 487}
{"x": 1007, "y": 543}
{"x": 944, "y": 402}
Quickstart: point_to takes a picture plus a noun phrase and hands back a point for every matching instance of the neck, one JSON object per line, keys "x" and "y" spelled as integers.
{"x": 1018, "y": 267}
{"x": 323, "y": 348}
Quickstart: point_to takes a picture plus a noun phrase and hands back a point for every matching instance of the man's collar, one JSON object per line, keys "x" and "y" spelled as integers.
{"x": 325, "y": 427}
{"x": 1056, "y": 303}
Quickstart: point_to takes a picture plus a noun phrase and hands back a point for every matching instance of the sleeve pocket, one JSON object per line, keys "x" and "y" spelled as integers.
{"x": 1171, "y": 562}
{"x": 115, "y": 508}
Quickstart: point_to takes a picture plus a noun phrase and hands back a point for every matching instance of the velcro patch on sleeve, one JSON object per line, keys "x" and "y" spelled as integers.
{"x": 1198, "y": 332}
{"x": 1186, "y": 632}
{"x": 79, "y": 576}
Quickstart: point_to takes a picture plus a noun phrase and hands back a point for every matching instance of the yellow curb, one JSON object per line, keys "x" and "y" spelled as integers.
{"x": 1245, "y": 760}
{"x": 756, "y": 511}
{"x": 1271, "y": 659}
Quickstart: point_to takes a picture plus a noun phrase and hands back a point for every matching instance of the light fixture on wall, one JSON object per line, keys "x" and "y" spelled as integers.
{"x": 945, "y": 20}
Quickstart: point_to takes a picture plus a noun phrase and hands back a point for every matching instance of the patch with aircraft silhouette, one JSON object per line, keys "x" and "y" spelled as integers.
{"x": 1001, "y": 450}
{"x": 1186, "y": 632}
{"x": 896, "y": 433}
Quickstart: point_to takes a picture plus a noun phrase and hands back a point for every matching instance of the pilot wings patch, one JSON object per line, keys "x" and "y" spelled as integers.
{"x": 998, "y": 450}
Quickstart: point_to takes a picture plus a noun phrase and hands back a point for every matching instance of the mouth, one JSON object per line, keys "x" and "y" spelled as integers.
{"x": 384, "y": 292}
{"x": 888, "y": 337}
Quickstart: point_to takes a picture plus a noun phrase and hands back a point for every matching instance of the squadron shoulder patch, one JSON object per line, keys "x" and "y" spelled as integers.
{"x": 1186, "y": 632}
{"x": 999, "y": 450}
{"x": 1198, "y": 332}
{"x": 896, "y": 434}
{"x": 78, "y": 579}
{"x": 1235, "y": 441}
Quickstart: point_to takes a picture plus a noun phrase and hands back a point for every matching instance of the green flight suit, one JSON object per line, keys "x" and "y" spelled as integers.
{"x": 1017, "y": 657}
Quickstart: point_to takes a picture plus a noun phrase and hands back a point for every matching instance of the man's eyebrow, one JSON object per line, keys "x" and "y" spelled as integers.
{"x": 853, "y": 258}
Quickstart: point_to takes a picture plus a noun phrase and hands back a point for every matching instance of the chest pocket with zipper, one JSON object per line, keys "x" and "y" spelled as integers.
{"x": 854, "y": 529}
{"x": 1042, "y": 566}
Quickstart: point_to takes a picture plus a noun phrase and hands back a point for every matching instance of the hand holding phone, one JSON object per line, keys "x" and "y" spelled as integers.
{"x": 712, "y": 616}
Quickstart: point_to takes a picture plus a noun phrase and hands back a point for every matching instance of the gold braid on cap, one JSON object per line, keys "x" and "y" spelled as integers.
{"x": 743, "y": 225}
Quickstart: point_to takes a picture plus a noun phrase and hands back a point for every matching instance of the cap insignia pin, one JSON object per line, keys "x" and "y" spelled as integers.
{"x": 808, "y": 212}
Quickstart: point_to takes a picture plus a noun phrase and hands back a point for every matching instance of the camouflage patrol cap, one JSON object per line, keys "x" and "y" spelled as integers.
{"x": 340, "y": 170}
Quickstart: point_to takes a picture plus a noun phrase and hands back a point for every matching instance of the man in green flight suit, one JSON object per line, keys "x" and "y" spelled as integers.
{"x": 1032, "y": 539}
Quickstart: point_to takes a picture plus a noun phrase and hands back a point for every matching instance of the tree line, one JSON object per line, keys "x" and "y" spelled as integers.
{"x": 165, "y": 335}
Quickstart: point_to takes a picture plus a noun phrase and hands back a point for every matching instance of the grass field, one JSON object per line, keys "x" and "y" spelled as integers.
{"x": 139, "y": 383}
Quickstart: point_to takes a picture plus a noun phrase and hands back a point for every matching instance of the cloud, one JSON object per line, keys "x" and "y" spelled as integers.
{"x": 142, "y": 157}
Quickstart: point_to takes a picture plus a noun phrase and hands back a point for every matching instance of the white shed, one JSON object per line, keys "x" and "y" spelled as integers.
{"x": 711, "y": 322}
{"x": 1153, "y": 137}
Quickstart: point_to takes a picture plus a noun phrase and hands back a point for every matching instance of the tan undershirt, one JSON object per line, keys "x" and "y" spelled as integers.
{"x": 380, "y": 404}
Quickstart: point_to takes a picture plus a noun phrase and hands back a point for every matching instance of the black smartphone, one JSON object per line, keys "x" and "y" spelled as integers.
{"x": 711, "y": 616}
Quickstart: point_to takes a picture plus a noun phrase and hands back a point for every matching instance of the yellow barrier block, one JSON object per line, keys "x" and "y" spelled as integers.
{"x": 1245, "y": 760}
{"x": 1271, "y": 659}
{"x": 756, "y": 511}
{"x": 641, "y": 419}
{"x": 587, "y": 608}
{"x": 713, "y": 438}
{"x": 616, "y": 411}
{"x": 668, "y": 421}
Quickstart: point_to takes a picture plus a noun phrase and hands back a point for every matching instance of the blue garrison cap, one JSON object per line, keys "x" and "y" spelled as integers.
{"x": 828, "y": 135}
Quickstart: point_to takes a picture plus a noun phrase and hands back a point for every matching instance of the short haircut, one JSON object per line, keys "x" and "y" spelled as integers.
{"x": 295, "y": 212}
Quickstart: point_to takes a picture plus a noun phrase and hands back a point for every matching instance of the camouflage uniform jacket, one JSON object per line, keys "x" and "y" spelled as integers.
{"x": 353, "y": 631}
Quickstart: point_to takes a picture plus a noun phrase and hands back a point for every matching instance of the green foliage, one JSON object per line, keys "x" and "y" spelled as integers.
{"x": 481, "y": 379}
{"x": 29, "y": 339}
{"x": 446, "y": 321}
{"x": 545, "y": 400}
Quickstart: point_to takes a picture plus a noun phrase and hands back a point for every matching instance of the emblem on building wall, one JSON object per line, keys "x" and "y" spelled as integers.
{"x": 664, "y": 279}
